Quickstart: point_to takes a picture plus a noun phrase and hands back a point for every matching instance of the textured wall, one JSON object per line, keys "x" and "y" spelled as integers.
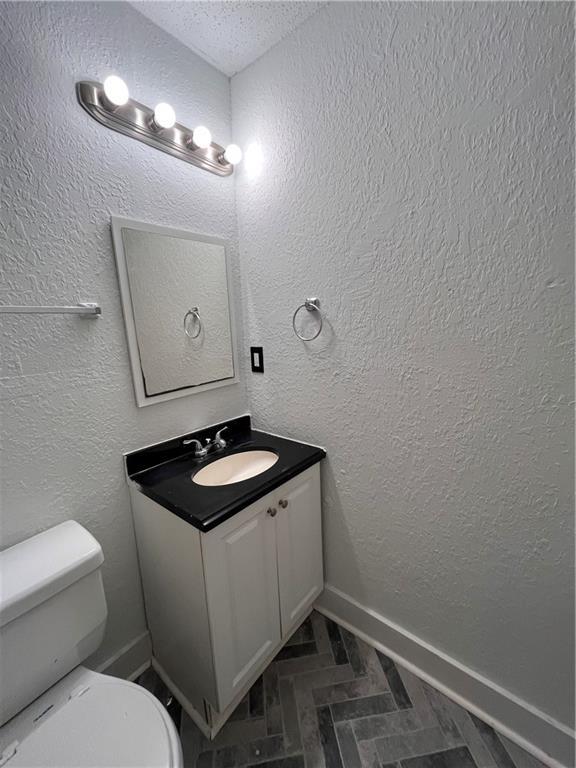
{"x": 418, "y": 179}
{"x": 68, "y": 403}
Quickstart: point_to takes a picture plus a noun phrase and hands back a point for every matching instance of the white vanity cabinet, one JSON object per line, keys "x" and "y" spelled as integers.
{"x": 241, "y": 572}
{"x": 299, "y": 547}
{"x": 221, "y": 604}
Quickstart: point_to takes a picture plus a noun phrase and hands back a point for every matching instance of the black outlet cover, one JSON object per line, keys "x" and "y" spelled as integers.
{"x": 257, "y": 359}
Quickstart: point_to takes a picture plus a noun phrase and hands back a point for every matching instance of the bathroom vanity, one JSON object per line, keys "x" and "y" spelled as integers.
{"x": 229, "y": 570}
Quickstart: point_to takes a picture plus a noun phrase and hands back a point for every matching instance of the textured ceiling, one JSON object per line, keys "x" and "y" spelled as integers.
{"x": 227, "y": 33}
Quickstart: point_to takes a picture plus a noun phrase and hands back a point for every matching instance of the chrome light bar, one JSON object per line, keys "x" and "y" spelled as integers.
{"x": 137, "y": 121}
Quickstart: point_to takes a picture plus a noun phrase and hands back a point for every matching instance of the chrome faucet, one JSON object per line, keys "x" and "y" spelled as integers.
{"x": 201, "y": 450}
{"x": 218, "y": 441}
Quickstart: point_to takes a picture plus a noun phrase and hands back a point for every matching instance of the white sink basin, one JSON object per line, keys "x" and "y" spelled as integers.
{"x": 235, "y": 468}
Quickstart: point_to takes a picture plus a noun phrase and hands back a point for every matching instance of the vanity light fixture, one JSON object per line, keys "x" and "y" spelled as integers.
{"x": 110, "y": 104}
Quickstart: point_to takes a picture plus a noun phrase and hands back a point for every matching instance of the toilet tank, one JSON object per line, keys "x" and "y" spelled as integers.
{"x": 52, "y": 611}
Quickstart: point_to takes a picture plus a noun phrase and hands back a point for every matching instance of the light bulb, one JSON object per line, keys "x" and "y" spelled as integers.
{"x": 201, "y": 137}
{"x": 233, "y": 154}
{"x": 116, "y": 90}
{"x": 164, "y": 115}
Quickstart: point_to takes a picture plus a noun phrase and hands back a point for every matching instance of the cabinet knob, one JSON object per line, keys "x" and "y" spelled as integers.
{"x": 283, "y": 503}
{"x": 271, "y": 511}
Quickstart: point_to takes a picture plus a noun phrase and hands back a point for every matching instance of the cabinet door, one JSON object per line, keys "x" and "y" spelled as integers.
{"x": 299, "y": 542}
{"x": 242, "y": 593}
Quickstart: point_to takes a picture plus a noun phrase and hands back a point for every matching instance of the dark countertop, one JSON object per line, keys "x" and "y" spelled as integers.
{"x": 164, "y": 472}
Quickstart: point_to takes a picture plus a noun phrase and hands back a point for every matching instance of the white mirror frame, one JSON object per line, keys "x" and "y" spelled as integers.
{"x": 142, "y": 399}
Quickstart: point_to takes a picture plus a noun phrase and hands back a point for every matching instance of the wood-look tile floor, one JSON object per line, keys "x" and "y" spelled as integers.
{"x": 329, "y": 700}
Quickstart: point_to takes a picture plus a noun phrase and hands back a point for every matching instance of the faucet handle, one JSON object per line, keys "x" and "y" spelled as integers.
{"x": 218, "y": 440}
{"x": 199, "y": 450}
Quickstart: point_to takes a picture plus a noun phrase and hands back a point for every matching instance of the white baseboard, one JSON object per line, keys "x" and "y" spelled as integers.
{"x": 544, "y": 737}
{"x": 131, "y": 660}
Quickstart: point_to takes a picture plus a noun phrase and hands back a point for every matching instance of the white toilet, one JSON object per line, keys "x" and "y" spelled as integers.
{"x": 55, "y": 713}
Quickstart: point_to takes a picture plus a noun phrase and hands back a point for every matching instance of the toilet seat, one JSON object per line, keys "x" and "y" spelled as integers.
{"x": 106, "y": 722}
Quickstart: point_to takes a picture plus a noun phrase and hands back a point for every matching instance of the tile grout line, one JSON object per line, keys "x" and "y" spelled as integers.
{"x": 338, "y": 741}
{"x": 360, "y": 698}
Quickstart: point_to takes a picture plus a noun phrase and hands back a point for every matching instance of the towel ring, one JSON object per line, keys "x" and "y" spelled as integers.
{"x": 312, "y": 305}
{"x": 196, "y": 315}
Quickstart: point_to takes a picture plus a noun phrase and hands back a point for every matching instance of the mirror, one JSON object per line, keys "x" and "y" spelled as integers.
{"x": 175, "y": 291}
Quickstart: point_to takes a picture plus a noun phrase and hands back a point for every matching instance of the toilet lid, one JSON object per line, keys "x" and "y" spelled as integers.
{"x": 104, "y": 725}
